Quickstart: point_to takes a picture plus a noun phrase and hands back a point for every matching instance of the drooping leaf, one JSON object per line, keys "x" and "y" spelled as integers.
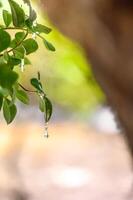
{"x": 41, "y": 104}
{"x": 7, "y": 17}
{"x": 13, "y": 112}
{"x": 30, "y": 45}
{"x": 9, "y": 111}
{"x": 45, "y": 106}
{"x": 18, "y": 15}
{"x": 48, "y": 109}
{"x": 48, "y": 45}
{"x": 6, "y": 111}
{"x": 5, "y": 40}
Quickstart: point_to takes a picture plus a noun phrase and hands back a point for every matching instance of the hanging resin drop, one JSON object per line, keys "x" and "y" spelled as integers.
{"x": 46, "y": 134}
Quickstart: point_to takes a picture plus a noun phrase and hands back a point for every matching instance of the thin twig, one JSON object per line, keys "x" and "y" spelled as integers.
{"x": 33, "y": 91}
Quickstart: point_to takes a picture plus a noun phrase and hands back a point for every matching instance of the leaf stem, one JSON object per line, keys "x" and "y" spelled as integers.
{"x": 33, "y": 91}
{"x": 14, "y": 28}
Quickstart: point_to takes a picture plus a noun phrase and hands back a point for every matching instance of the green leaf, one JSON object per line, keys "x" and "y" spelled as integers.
{"x": 9, "y": 111}
{"x": 42, "y": 29}
{"x": 36, "y": 84}
{"x": 13, "y": 43}
{"x": 6, "y": 111}
{"x": 48, "y": 45}
{"x": 5, "y": 40}
{"x": 48, "y": 109}
{"x": 1, "y": 4}
{"x": 4, "y": 92}
{"x": 41, "y": 104}
{"x": 1, "y": 101}
{"x": 18, "y": 14}
{"x": 7, "y": 76}
{"x": 22, "y": 96}
{"x": 19, "y": 52}
{"x": 14, "y": 61}
{"x": 27, "y": 61}
{"x": 29, "y": 24}
{"x": 7, "y": 17}
{"x": 19, "y": 36}
{"x": 45, "y": 106}
{"x": 30, "y": 45}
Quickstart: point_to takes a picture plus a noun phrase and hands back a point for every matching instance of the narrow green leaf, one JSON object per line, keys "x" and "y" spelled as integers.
{"x": 41, "y": 104}
{"x": 5, "y": 40}
{"x": 18, "y": 14}
{"x": 6, "y": 111}
{"x": 7, "y": 17}
{"x": 42, "y": 29}
{"x": 9, "y": 111}
{"x": 48, "y": 109}
{"x": 22, "y": 96}
{"x": 30, "y": 45}
{"x": 13, "y": 112}
{"x": 48, "y": 45}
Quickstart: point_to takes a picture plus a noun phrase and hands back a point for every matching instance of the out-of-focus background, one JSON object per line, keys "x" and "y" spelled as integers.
{"x": 85, "y": 156}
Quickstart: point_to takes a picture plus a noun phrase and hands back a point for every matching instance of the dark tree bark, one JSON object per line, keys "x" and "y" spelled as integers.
{"x": 105, "y": 30}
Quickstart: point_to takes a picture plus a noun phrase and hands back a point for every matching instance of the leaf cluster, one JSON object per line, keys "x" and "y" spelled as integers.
{"x": 14, "y": 52}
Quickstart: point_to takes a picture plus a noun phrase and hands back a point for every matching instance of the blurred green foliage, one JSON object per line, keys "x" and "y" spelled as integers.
{"x": 66, "y": 74}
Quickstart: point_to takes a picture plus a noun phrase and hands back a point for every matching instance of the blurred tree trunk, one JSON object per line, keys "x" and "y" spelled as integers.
{"x": 105, "y": 30}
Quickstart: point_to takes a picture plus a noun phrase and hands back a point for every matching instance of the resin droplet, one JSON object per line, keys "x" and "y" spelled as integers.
{"x": 46, "y": 131}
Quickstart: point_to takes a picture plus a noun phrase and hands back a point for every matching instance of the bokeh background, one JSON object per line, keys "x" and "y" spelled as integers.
{"x": 85, "y": 156}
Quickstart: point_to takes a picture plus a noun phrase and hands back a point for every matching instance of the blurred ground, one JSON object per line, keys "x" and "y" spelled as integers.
{"x": 74, "y": 163}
